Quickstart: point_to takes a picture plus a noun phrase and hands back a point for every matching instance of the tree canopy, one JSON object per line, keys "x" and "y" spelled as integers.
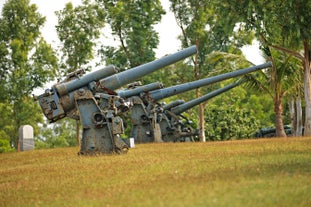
{"x": 26, "y": 62}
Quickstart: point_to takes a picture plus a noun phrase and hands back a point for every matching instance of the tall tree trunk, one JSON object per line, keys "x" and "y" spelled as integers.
{"x": 278, "y": 109}
{"x": 201, "y": 106}
{"x": 307, "y": 90}
{"x": 295, "y": 109}
{"x": 202, "y": 121}
{"x": 293, "y": 116}
{"x": 299, "y": 117}
{"x": 16, "y": 111}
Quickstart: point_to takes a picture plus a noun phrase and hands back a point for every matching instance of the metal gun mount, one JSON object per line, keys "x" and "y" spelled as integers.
{"x": 91, "y": 98}
{"x": 146, "y": 113}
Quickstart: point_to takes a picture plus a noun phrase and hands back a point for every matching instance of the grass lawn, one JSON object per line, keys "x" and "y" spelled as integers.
{"x": 262, "y": 172}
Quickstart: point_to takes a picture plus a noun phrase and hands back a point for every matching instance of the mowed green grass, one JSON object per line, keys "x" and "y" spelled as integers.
{"x": 265, "y": 172}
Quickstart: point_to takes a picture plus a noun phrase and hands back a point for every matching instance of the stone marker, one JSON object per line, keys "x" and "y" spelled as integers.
{"x": 26, "y": 140}
{"x": 132, "y": 143}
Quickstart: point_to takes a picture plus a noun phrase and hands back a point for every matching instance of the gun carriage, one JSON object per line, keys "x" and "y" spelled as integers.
{"x": 147, "y": 113}
{"x": 92, "y": 99}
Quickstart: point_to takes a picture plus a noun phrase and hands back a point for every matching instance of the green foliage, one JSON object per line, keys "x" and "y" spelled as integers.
{"x": 179, "y": 73}
{"x": 27, "y": 62}
{"x": 43, "y": 65}
{"x": 13, "y": 116}
{"x": 282, "y": 27}
{"x": 24, "y": 54}
{"x": 202, "y": 26}
{"x": 227, "y": 116}
{"x": 29, "y": 112}
{"x": 6, "y": 122}
{"x": 234, "y": 112}
{"x": 223, "y": 123}
{"x": 60, "y": 134}
{"x": 78, "y": 28}
{"x": 261, "y": 104}
{"x": 132, "y": 24}
{"x": 281, "y": 82}
{"x": 288, "y": 74}
{"x": 5, "y": 144}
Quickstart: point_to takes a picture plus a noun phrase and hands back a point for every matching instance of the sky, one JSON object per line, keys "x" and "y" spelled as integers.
{"x": 168, "y": 38}
{"x": 167, "y": 29}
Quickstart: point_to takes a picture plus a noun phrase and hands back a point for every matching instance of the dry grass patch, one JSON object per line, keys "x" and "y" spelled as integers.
{"x": 266, "y": 172}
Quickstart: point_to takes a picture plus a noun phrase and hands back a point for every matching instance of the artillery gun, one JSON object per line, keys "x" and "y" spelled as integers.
{"x": 92, "y": 99}
{"x": 147, "y": 113}
{"x": 173, "y": 129}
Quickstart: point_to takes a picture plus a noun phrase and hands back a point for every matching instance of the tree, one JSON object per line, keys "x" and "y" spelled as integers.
{"x": 228, "y": 123}
{"x": 6, "y": 126}
{"x": 132, "y": 24}
{"x": 274, "y": 19}
{"x": 26, "y": 62}
{"x": 78, "y": 29}
{"x": 201, "y": 26}
{"x": 278, "y": 82}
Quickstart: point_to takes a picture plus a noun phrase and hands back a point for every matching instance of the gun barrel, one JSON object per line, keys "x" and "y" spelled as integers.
{"x": 174, "y": 90}
{"x": 128, "y": 76}
{"x": 184, "y": 107}
{"x": 140, "y": 89}
{"x": 173, "y": 104}
{"x": 67, "y": 87}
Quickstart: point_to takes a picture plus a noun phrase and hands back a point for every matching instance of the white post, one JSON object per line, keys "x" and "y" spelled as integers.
{"x": 26, "y": 139}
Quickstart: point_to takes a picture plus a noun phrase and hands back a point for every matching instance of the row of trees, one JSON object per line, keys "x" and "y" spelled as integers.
{"x": 284, "y": 29}
{"x": 219, "y": 29}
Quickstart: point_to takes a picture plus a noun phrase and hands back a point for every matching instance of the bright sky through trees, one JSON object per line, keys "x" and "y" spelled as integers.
{"x": 168, "y": 29}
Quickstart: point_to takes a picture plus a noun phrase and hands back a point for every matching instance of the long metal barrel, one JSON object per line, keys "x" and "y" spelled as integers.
{"x": 184, "y": 107}
{"x": 140, "y": 89}
{"x": 128, "y": 76}
{"x": 67, "y": 87}
{"x": 174, "y": 90}
{"x": 173, "y": 104}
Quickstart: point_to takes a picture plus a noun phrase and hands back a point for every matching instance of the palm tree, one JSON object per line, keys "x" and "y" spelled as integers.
{"x": 279, "y": 81}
